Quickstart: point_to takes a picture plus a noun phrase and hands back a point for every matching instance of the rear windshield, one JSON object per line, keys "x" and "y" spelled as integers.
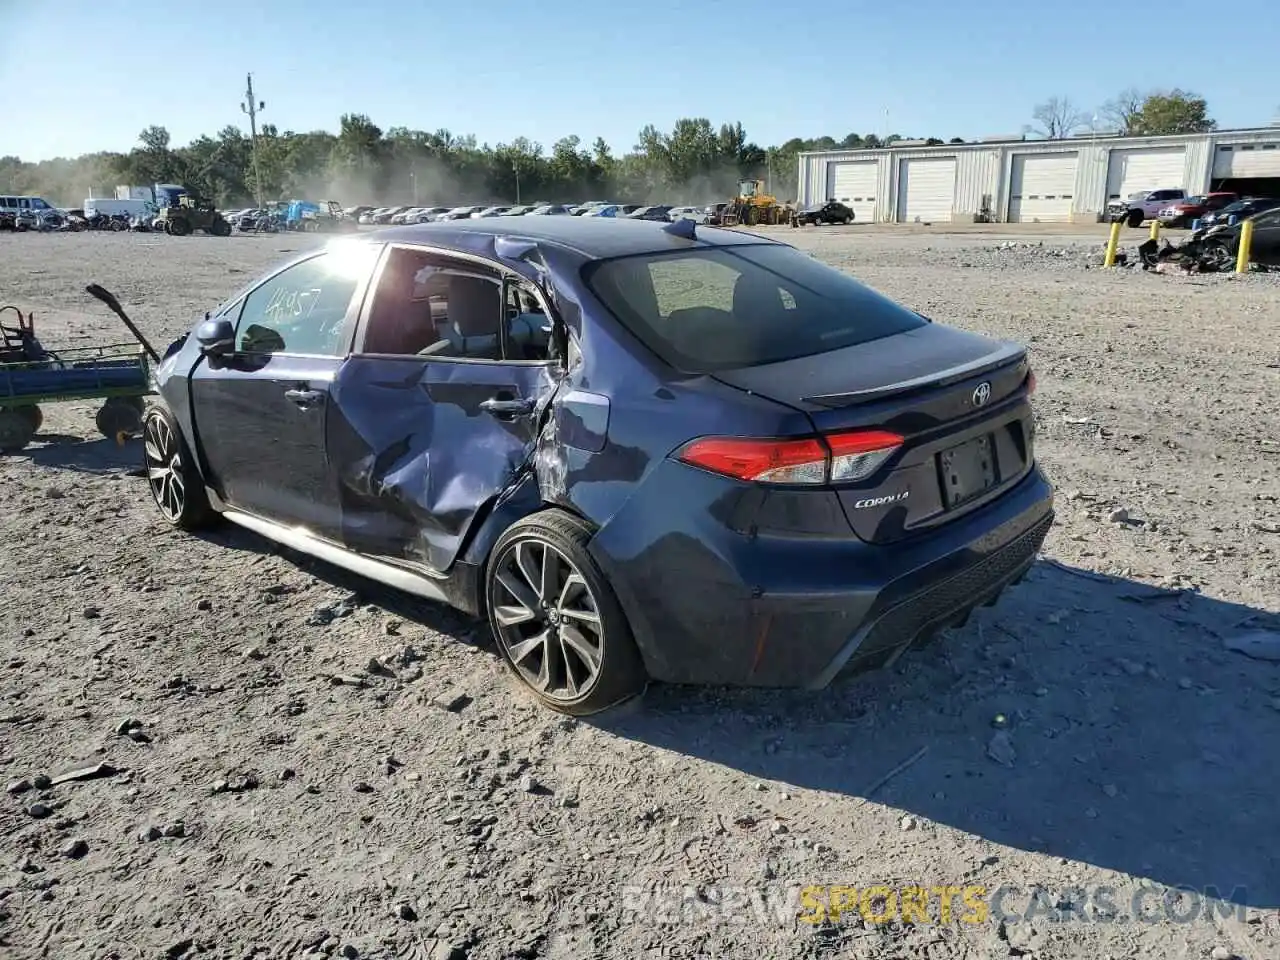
{"x": 725, "y": 307}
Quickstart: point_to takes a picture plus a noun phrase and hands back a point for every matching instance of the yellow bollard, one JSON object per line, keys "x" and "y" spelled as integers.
{"x": 1112, "y": 242}
{"x": 1155, "y": 230}
{"x": 1246, "y": 241}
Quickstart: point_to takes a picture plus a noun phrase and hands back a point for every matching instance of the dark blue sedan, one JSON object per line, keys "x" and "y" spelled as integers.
{"x": 641, "y": 451}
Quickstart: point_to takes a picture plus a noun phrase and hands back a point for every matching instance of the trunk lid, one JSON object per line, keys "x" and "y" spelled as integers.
{"x": 959, "y": 399}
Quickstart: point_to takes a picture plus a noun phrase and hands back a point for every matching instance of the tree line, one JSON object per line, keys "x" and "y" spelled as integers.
{"x": 693, "y": 162}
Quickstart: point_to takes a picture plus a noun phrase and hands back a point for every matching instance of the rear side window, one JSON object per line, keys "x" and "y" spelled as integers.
{"x": 721, "y": 308}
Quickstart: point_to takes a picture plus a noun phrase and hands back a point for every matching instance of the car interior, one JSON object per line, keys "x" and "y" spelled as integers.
{"x": 705, "y": 310}
{"x": 429, "y": 308}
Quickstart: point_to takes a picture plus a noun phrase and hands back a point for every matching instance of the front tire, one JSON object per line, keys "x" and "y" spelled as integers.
{"x": 1219, "y": 252}
{"x": 556, "y": 620}
{"x": 176, "y": 485}
{"x": 1135, "y": 218}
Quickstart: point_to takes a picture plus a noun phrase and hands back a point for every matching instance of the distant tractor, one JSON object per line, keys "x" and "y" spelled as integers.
{"x": 189, "y": 215}
{"x": 752, "y": 207}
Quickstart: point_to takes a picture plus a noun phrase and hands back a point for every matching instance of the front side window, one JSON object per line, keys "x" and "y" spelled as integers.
{"x": 721, "y": 308}
{"x": 302, "y": 310}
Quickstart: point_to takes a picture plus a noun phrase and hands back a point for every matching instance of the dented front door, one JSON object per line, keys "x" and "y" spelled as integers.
{"x": 421, "y": 447}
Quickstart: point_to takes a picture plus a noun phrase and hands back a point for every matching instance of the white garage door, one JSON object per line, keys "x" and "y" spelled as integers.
{"x": 854, "y": 185}
{"x": 1132, "y": 171}
{"x": 926, "y": 189}
{"x": 1241, "y": 160}
{"x": 1041, "y": 186}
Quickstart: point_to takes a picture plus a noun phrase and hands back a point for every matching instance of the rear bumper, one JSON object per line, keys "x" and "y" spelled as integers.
{"x": 710, "y": 605}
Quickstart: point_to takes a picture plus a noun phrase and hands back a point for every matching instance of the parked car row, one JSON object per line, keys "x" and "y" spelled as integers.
{"x": 407, "y": 215}
{"x": 1177, "y": 208}
{"x": 1241, "y": 209}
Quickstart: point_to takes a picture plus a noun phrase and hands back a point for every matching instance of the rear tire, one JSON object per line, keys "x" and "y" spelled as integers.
{"x": 556, "y": 620}
{"x": 33, "y": 414}
{"x": 179, "y": 227}
{"x": 16, "y": 429}
{"x": 176, "y": 485}
{"x": 220, "y": 228}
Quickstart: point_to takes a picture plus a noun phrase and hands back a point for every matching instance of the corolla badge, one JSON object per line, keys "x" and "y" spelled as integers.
{"x": 881, "y": 501}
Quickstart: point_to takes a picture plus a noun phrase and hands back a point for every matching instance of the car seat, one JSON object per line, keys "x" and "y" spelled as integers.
{"x": 474, "y": 312}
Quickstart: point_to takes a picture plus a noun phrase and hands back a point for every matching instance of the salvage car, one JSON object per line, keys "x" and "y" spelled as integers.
{"x": 833, "y": 211}
{"x": 1182, "y": 212}
{"x": 1224, "y": 239}
{"x": 1242, "y": 208}
{"x": 715, "y": 213}
{"x": 641, "y": 451}
{"x": 659, "y": 213}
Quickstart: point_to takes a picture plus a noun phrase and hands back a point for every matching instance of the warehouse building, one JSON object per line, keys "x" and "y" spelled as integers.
{"x": 1019, "y": 180}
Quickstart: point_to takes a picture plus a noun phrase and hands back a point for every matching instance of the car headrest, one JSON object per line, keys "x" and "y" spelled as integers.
{"x": 755, "y": 295}
{"x": 475, "y": 306}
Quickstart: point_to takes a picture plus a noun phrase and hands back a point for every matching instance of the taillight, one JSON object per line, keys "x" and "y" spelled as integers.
{"x": 1031, "y": 382}
{"x": 855, "y": 456}
{"x": 834, "y": 458}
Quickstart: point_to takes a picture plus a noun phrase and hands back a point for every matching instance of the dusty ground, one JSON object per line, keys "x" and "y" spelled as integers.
{"x": 260, "y": 808}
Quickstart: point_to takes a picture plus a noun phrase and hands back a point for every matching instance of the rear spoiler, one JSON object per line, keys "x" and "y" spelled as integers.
{"x": 1007, "y": 354}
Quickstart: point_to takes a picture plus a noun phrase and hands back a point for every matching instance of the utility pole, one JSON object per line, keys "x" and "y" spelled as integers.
{"x": 253, "y": 107}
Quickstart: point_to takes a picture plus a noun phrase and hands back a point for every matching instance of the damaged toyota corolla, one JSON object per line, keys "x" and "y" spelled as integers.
{"x": 641, "y": 451}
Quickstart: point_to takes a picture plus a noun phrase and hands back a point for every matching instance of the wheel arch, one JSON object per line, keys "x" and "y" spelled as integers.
{"x": 522, "y": 499}
{"x": 529, "y": 495}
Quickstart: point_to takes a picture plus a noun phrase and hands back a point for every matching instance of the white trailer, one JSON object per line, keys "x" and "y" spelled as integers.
{"x": 111, "y": 207}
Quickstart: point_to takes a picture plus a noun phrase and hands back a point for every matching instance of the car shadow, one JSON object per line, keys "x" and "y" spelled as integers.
{"x": 361, "y": 591}
{"x": 101, "y": 456}
{"x": 1084, "y": 716}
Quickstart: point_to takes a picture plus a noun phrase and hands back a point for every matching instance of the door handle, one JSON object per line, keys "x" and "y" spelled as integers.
{"x": 507, "y": 407}
{"x": 303, "y": 398}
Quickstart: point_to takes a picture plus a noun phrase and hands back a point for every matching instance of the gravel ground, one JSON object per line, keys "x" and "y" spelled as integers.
{"x": 1083, "y": 748}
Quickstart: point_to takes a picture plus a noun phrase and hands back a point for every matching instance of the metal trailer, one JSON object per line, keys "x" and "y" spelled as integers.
{"x": 119, "y": 374}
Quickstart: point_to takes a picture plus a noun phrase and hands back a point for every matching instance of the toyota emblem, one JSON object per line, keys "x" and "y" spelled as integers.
{"x": 981, "y": 394}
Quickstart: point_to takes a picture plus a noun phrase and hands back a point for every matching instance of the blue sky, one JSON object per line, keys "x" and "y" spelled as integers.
{"x": 503, "y": 68}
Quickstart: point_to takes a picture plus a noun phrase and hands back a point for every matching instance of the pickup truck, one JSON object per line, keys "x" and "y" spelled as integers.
{"x": 1142, "y": 206}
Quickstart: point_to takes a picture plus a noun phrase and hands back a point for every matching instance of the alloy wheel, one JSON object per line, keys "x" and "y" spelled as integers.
{"x": 547, "y": 620}
{"x": 164, "y": 468}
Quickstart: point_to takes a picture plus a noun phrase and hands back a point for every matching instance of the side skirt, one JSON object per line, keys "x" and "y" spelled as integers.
{"x": 300, "y": 539}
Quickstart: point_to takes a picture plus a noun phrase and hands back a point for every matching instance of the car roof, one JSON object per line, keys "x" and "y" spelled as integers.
{"x": 596, "y": 238}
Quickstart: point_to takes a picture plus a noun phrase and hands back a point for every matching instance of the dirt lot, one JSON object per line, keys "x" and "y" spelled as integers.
{"x": 1089, "y": 744}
